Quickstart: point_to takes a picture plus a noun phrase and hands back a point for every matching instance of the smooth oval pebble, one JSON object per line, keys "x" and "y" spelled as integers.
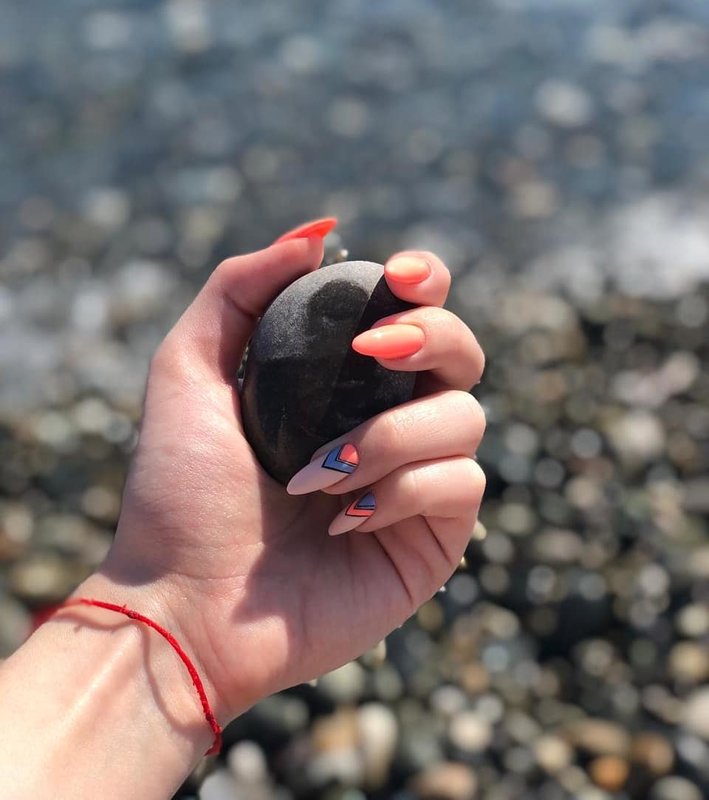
{"x": 303, "y": 383}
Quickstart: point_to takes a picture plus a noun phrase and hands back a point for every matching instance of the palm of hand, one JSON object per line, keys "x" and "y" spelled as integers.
{"x": 273, "y": 599}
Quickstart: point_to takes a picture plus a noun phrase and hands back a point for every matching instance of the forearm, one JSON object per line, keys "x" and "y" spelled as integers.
{"x": 95, "y": 705}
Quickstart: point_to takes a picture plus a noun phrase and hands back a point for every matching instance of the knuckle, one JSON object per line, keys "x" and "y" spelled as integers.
{"x": 400, "y": 426}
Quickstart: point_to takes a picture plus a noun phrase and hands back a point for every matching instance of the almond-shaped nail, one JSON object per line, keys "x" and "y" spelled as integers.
{"x": 354, "y": 515}
{"x": 407, "y": 269}
{"x": 318, "y": 227}
{"x": 390, "y": 341}
{"x": 325, "y": 471}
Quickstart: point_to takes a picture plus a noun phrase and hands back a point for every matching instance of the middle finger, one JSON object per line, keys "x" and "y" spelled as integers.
{"x": 426, "y": 339}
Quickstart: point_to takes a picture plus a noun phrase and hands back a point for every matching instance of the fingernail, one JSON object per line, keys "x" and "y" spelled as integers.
{"x": 325, "y": 471}
{"x": 390, "y": 341}
{"x": 318, "y": 227}
{"x": 354, "y": 515}
{"x": 407, "y": 269}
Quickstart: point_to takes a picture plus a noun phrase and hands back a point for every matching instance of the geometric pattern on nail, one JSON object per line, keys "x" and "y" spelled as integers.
{"x": 342, "y": 459}
{"x": 364, "y": 507}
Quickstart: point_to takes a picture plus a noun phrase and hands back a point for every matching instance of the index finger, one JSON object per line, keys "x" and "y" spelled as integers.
{"x": 419, "y": 277}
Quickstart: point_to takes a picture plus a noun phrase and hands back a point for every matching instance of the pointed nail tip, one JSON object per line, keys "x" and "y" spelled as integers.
{"x": 298, "y": 486}
{"x": 317, "y": 227}
{"x": 342, "y": 525}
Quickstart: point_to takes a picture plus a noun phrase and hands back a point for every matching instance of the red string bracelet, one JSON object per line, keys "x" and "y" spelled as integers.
{"x": 196, "y": 680}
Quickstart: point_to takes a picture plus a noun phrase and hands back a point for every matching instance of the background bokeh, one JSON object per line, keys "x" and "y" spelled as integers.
{"x": 556, "y": 154}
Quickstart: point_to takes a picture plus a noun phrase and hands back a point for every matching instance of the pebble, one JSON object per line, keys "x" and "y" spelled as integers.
{"x": 247, "y": 763}
{"x": 609, "y": 772}
{"x": 469, "y": 733}
{"x": 15, "y": 625}
{"x": 375, "y": 657}
{"x": 378, "y": 735}
{"x": 564, "y": 104}
{"x": 445, "y": 781}
{"x": 675, "y": 788}
{"x": 345, "y": 684}
{"x": 693, "y": 619}
{"x": 43, "y": 578}
{"x": 474, "y": 678}
{"x": 555, "y": 546}
{"x": 220, "y": 785}
{"x": 688, "y": 662}
{"x": 553, "y": 754}
{"x": 448, "y": 700}
{"x": 653, "y": 752}
{"x": 335, "y": 749}
{"x": 598, "y": 737}
{"x": 638, "y": 437}
{"x": 696, "y": 713}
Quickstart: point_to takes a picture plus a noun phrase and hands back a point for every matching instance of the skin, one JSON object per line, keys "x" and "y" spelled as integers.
{"x": 243, "y": 574}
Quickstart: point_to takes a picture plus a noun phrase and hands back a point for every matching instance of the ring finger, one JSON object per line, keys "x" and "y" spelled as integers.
{"x": 437, "y": 426}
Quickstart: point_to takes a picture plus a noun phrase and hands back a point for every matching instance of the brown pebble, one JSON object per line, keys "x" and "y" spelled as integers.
{"x": 609, "y": 772}
{"x": 337, "y": 731}
{"x": 598, "y": 737}
{"x": 654, "y": 752}
{"x": 446, "y": 781}
{"x": 474, "y": 678}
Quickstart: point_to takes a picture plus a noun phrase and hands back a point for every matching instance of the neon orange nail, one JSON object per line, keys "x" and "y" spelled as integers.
{"x": 390, "y": 341}
{"x": 407, "y": 269}
{"x": 318, "y": 227}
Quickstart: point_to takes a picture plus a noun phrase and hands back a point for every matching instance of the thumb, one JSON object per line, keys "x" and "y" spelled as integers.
{"x": 213, "y": 332}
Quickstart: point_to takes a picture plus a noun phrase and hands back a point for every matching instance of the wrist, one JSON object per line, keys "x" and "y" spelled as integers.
{"x": 190, "y": 609}
{"x": 93, "y": 687}
{"x": 155, "y": 609}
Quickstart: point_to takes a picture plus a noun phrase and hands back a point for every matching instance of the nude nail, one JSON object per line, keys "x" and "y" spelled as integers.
{"x": 390, "y": 341}
{"x": 325, "y": 471}
{"x": 354, "y": 515}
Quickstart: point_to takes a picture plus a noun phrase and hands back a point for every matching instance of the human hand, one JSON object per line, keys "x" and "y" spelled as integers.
{"x": 243, "y": 572}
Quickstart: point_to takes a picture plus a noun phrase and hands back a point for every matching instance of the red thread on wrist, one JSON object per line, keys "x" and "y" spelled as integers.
{"x": 196, "y": 680}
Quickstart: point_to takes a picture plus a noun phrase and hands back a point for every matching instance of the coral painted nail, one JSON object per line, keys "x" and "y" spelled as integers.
{"x": 407, "y": 269}
{"x": 318, "y": 227}
{"x": 354, "y": 515}
{"x": 337, "y": 464}
{"x": 390, "y": 341}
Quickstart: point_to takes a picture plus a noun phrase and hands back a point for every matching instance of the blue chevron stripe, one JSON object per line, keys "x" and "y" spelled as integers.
{"x": 366, "y": 503}
{"x": 334, "y": 462}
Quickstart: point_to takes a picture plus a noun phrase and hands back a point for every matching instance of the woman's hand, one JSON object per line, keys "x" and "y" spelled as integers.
{"x": 245, "y": 573}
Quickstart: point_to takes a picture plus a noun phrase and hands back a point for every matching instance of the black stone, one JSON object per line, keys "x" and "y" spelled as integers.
{"x": 303, "y": 383}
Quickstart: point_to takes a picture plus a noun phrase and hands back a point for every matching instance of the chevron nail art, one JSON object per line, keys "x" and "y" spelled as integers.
{"x": 339, "y": 462}
{"x": 364, "y": 507}
{"x": 342, "y": 459}
{"x": 354, "y": 515}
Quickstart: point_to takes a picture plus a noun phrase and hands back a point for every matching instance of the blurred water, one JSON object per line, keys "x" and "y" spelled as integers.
{"x": 140, "y": 142}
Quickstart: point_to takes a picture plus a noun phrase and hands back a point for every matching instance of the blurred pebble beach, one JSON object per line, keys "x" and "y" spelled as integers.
{"x": 555, "y": 155}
